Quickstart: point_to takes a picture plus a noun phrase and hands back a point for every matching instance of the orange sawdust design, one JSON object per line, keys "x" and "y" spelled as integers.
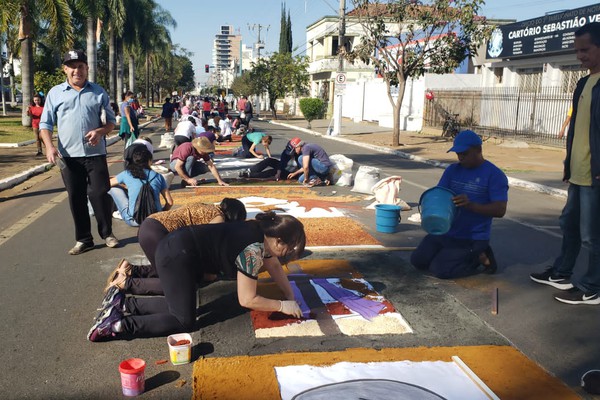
{"x": 309, "y": 204}
{"x": 284, "y": 190}
{"x": 506, "y": 371}
{"x": 318, "y": 268}
{"x": 224, "y": 152}
{"x": 336, "y": 231}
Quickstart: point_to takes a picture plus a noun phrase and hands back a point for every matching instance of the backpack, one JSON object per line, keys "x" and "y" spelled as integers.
{"x": 248, "y": 108}
{"x": 144, "y": 204}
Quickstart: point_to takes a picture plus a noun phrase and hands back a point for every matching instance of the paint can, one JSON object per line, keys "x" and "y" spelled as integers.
{"x": 180, "y": 348}
{"x": 132, "y": 376}
{"x": 387, "y": 217}
{"x": 437, "y": 210}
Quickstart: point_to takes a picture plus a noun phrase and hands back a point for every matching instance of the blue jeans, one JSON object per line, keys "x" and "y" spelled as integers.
{"x": 446, "y": 257}
{"x": 122, "y": 202}
{"x": 580, "y": 225}
{"x": 192, "y": 167}
{"x": 315, "y": 169}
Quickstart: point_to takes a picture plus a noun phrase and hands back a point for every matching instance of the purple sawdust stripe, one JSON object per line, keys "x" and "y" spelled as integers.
{"x": 300, "y": 300}
{"x": 368, "y": 309}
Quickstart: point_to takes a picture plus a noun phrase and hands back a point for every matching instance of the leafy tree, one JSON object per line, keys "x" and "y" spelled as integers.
{"x": 242, "y": 85}
{"x": 312, "y": 108}
{"x": 278, "y": 76}
{"x": 44, "y": 81}
{"x": 51, "y": 16}
{"x": 404, "y": 39}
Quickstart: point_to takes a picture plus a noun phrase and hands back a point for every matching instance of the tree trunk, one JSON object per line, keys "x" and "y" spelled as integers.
{"x": 273, "y": 108}
{"x": 2, "y": 82}
{"x": 90, "y": 23}
{"x": 147, "y": 80}
{"x": 27, "y": 67}
{"x": 112, "y": 67}
{"x": 132, "y": 73}
{"x": 120, "y": 67}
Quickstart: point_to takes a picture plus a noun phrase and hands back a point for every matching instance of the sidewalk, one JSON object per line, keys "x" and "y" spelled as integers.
{"x": 528, "y": 166}
{"x": 531, "y": 167}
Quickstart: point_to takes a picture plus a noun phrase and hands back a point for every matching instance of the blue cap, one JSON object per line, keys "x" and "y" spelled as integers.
{"x": 464, "y": 141}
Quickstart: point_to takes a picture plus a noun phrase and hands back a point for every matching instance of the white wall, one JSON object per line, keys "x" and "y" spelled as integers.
{"x": 368, "y": 100}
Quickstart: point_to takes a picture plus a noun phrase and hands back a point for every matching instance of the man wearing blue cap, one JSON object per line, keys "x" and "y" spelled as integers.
{"x": 481, "y": 193}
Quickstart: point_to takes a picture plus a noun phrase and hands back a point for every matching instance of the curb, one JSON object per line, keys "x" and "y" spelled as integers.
{"x": 14, "y": 180}
{"x": 512, "y": 182}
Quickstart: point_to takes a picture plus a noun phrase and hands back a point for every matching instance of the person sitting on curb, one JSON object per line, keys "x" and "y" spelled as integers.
{"x": 272, "y": 167}
{"x": 137, "y": 173}
{"x": 249, "y": 142}
{"x": 143, "y": 279}
{"x": 314, "y": 161}
{"x": 481, "y": 194}
{"x": 193, "y": 159}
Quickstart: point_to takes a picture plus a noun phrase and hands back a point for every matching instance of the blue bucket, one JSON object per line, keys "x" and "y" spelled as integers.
{"x": 437, "y": 210}
{"x": 387, "y": 217}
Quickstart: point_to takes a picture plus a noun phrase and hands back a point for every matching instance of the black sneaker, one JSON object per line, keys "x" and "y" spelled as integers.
{"x": 577, "y": 296}
{"x": 547, "y": 278}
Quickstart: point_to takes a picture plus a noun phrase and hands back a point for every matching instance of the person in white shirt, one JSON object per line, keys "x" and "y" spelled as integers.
{"x": 185, "y": 131}
{"x": 225, "y": 126}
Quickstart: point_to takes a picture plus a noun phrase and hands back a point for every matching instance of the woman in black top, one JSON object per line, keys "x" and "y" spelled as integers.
{"x": 236, "y": 250}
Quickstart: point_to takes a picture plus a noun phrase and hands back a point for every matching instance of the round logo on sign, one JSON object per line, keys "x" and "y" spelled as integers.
{"x": 340, "y": 78}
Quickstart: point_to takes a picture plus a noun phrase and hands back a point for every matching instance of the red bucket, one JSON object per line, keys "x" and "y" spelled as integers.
{"x": 132, "y": 376}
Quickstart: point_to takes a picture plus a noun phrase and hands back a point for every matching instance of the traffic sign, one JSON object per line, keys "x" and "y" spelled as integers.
{"x": 340, "y": 78}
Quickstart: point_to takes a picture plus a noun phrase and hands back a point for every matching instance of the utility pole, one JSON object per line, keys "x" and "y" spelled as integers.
{"x": 339, "y": 83}
{"x": 259, "y": 43}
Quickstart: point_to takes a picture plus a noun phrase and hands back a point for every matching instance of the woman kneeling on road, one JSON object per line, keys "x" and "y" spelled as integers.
{"x": 236, "y": 250}
{"x": 143, "y": 279}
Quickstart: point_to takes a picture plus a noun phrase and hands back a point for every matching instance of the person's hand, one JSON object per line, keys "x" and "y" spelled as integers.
{"x": 192, "y": 182}
{"x": 291, "y": 176}
{"x": 52, "y": 154}
{"x": 92, "y": 137}
{"x": 222, "y": 183}
{"x": 290, "y": 307}
{"x": 462, "y": 200}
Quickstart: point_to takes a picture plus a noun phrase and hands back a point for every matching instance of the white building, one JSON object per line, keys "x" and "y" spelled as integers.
{"x": 227, "y": 54}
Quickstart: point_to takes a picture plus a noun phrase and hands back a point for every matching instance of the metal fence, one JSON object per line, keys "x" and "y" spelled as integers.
{"x": 504, "y": 112}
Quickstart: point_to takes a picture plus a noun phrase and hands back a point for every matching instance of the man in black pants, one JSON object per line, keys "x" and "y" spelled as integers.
{"x": 82, "y": 111}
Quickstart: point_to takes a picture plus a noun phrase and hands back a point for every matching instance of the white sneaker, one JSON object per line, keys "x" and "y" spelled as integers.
{"x": 111, "y": 241}
{"x": 117, "y": 215}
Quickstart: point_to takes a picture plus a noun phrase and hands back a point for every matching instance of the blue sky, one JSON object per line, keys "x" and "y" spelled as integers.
{"x": 199, "y": 21}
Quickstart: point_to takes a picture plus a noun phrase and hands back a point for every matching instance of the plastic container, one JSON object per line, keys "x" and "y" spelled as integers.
{"x": 437, "y": 210}
{"x": 387, "y": 217}
{"x": 180, "y": 354}
{"x": 132, "y": 376}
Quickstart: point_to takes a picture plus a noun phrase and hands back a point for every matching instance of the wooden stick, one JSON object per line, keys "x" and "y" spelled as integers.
{"x": 495, "y": 301}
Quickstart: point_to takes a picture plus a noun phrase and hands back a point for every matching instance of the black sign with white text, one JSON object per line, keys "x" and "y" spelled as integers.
{"x": 548, "y": 34}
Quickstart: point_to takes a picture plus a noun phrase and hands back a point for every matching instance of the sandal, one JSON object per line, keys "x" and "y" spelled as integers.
{"x": 119, "y": 275}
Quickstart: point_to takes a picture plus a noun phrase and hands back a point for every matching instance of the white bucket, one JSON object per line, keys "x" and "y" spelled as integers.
{"x": 180, "y": 353}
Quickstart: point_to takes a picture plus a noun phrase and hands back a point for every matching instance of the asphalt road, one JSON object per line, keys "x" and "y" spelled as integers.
{"x": 48, "y": 298}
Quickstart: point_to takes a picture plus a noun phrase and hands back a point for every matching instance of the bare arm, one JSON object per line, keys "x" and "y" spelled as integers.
{"x": 213, "y": 170}
{"x": 253, "y": 151}
{"x": 247, "y": 296}
{"x": 94, "y": 136}
{"x": 181, "y": 172}
{"x": 51, "y": 151}
{"x": 275, "y": 269}
{"x": 166, "y": 194}
{"x": 563, "y": 128}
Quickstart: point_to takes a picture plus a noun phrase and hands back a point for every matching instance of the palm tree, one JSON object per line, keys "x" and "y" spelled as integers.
{"x": 91, "y": 12}
{"x": 155, "y": 40}
{"x": 55, "y": 16}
